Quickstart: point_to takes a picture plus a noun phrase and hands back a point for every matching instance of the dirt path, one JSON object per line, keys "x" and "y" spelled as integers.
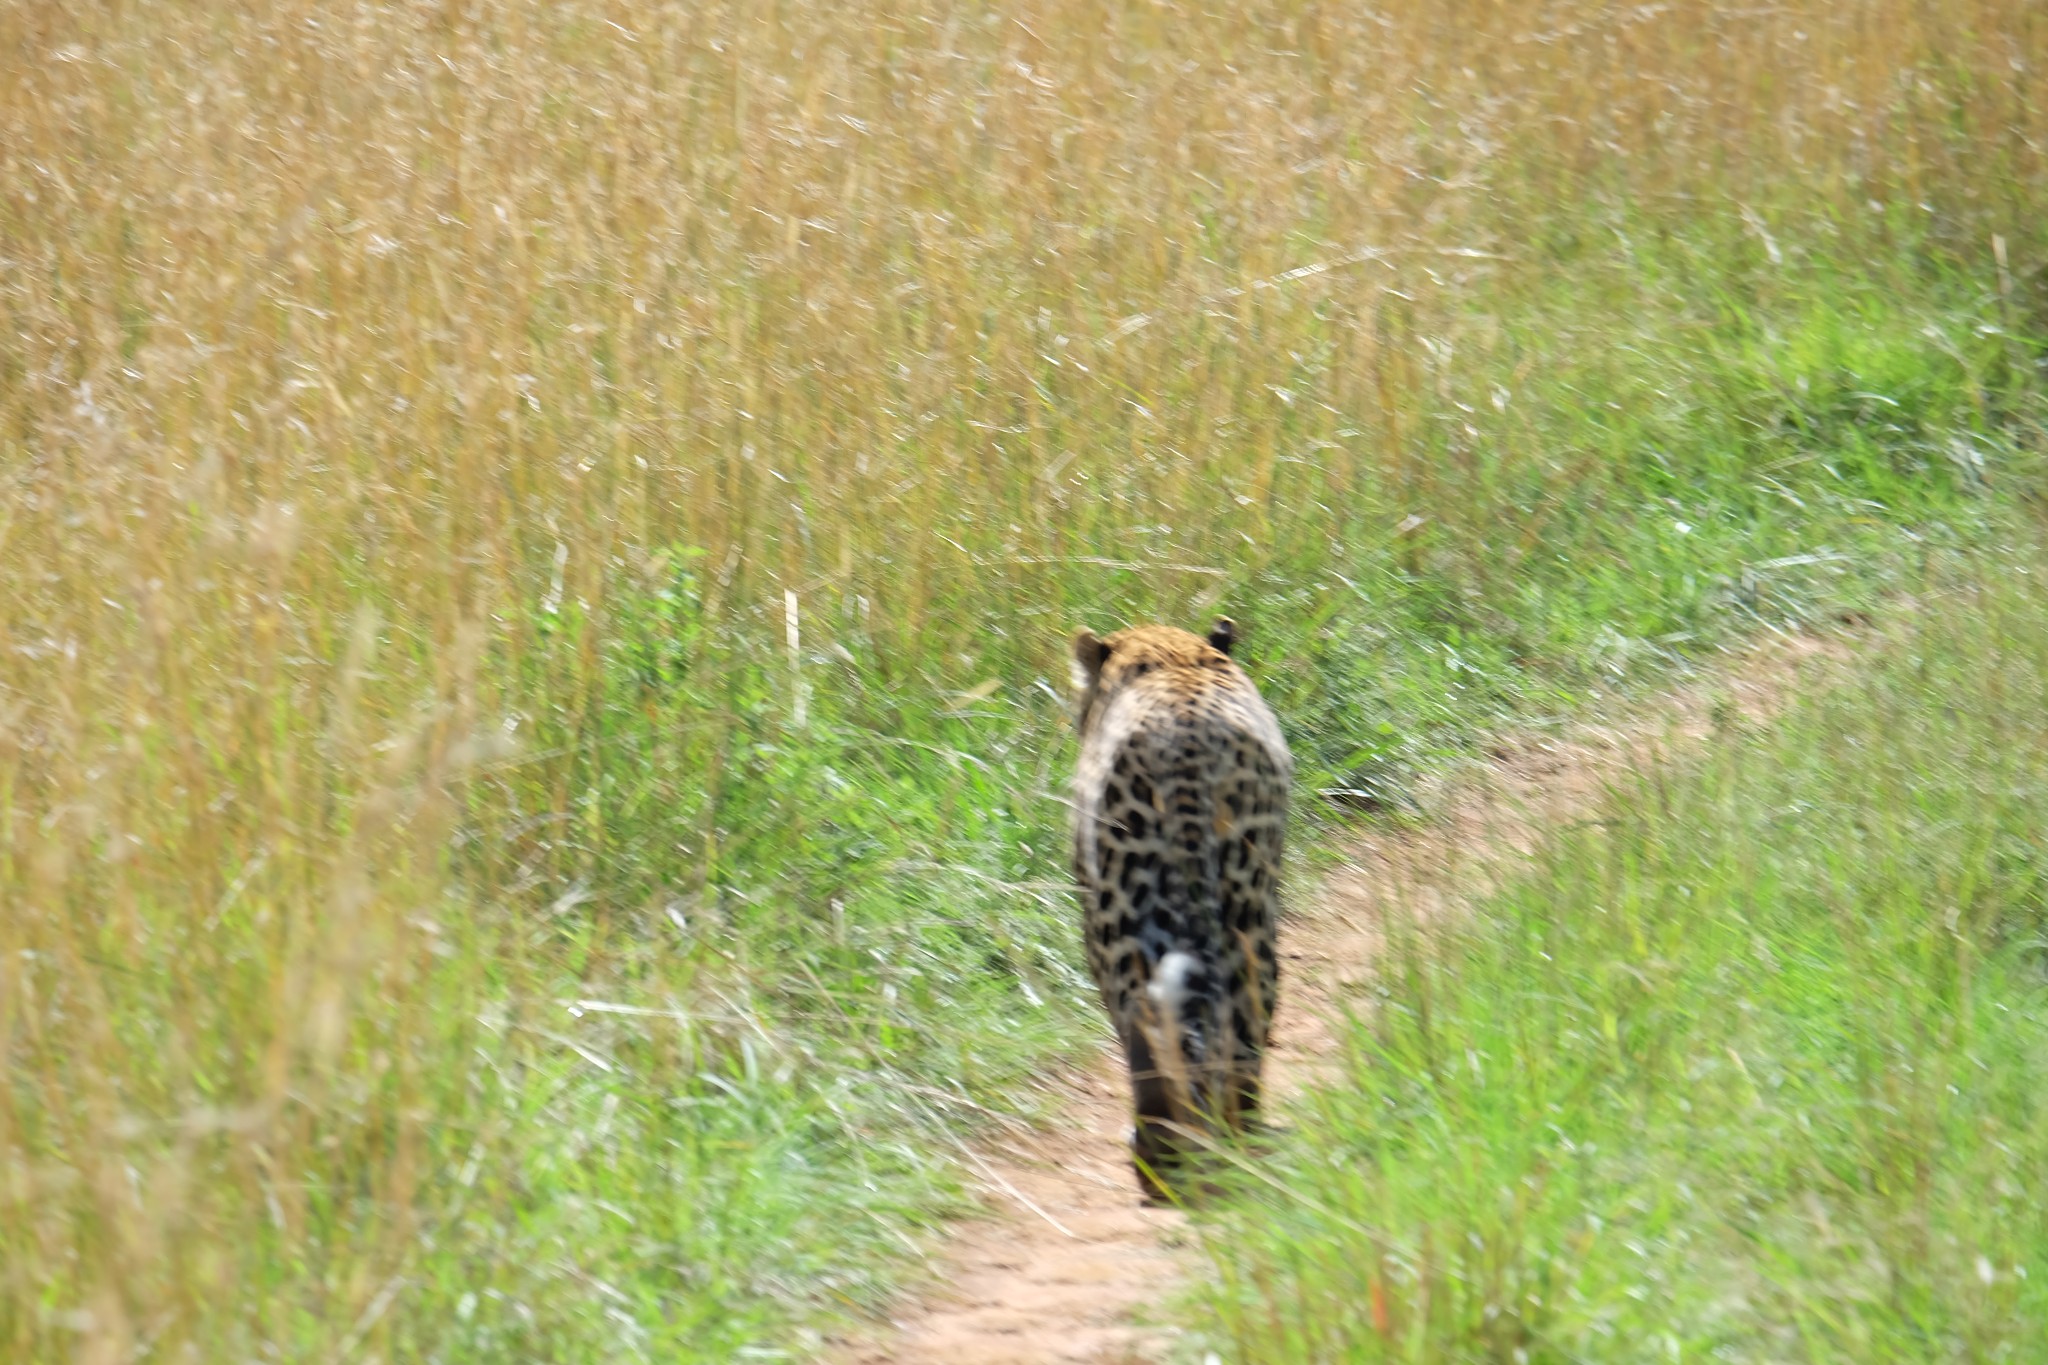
{"x": 1068, "y": 1265}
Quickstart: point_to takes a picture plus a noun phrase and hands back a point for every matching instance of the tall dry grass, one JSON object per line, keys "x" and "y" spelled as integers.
{"x": 354, "y": 359}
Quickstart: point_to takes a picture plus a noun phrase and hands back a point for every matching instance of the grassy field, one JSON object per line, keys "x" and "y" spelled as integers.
{"x": 537, "y": 544}
{"x": 1747, "y": 1070}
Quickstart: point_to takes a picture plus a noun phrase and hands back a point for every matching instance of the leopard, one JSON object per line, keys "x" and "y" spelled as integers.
{"x": 1180, "y": 816}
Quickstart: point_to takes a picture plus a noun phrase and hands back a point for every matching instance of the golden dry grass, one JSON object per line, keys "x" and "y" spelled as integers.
{"x": 354, "y": 360}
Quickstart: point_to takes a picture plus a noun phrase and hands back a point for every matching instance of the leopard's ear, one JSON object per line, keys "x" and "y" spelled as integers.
{"x": 1089, "y": 653}
{"x": 1223, "y": 634}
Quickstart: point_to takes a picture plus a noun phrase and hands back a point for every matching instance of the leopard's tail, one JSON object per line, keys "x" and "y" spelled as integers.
{"x": 1183, "y": 996}
{"x": 1172, "y": 984}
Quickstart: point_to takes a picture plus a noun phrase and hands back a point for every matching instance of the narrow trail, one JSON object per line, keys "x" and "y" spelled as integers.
{"x": 1068, "y": 1265}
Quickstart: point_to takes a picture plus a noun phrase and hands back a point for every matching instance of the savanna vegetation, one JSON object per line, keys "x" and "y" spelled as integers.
{"x": 1747, "y": 1070}
{"x": 537, "y": 545}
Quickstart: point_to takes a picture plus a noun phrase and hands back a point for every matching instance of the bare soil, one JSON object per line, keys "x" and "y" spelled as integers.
{"x": 1069, "y": 1266}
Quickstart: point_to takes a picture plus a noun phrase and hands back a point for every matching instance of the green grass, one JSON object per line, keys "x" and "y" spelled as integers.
{"x": 1746, "y": 1070}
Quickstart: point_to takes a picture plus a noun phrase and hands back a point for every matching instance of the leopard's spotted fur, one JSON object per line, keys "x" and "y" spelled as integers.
{"x": 1180, "y": 812}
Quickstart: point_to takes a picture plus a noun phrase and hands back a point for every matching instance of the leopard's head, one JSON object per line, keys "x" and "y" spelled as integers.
{"x": 1105, "y": 665}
